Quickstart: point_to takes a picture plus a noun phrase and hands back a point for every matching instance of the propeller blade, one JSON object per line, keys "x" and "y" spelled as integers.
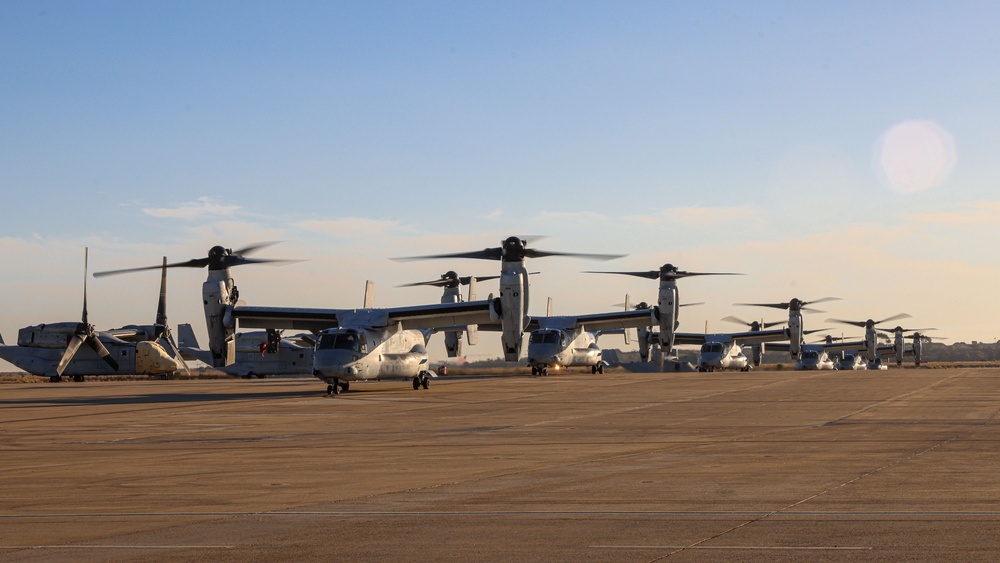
{"x": 652, "y": 274}
{"x": 98, "y": 346}
{"x": 485, "y": 254}
{"x": 465, "y": 280}
{"x": 218, "y": 258}
{"x": 71, "y": 347}
{"x": 772, "y": 305}
{"x": 894, "y": 318}
{"x": 177, "y": 353}
{"x": 86, "y": 256}
{"x": 691, "y": 304}
{"x": 736, "y": 320}
{"x": 161, "y": 305}
{"x": 810, "y": 310}
{"x": 860, "y": 324}
{"x": 823, "y": 300}
{"x": 532, "y": 253}
{"x": 196, "y": 263}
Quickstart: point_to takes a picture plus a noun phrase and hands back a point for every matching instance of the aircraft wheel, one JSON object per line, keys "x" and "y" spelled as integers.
{"x": 745, "y": 368}
{"x": 545, "y": 372}
{"x": 416, "y": 383}
{"x": 345, "y": 385}
{"x": 593, "y": 369}
{"x": 55, "y": 379}
{"x": 425, "y": 382}
{"x": 78, "y": 378}
{"x": 163, "y": 377}
{"x": 336, "y": 387}
{"x": 600, "y": 369}
{"x": 329, "y": 389}
{"x": 534, "y": 371}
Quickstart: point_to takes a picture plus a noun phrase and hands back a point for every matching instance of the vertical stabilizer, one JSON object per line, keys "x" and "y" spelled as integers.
{"x": 186, "y": 337}
{"x": 369, "y": 294}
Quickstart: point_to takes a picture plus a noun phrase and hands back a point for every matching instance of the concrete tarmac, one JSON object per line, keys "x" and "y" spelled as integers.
{"x": 761, "y": 466}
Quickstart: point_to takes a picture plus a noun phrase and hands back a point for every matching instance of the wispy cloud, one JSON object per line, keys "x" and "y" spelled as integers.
{"x": 349, "y": 227}
{"x": 697, "y": 216}
{"x": 973, "y": 212}
{"x": 201, "y": 207}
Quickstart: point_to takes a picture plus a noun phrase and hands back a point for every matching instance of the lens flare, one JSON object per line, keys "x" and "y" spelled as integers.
{"x": 914, "y": 156}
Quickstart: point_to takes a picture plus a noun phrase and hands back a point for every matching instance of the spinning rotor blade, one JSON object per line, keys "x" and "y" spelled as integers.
{"x": 894, "y": 318}
{"x": 652, "y": 274}
{"x": 860, "y": 324}
{"x": 513, "y": 249}
{"x": 736, "y": 320}
{"x": 218, "y": 258}
{"x": 793, "y": 304}
{"x": 451, "y": 279}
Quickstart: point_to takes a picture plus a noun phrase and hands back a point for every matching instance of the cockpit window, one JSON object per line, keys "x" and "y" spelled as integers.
{"x": 341, "y": 341}
{"x": 712, "y": 347}
{"x": 810, "y": 355}
{"x": 544, "y": 337}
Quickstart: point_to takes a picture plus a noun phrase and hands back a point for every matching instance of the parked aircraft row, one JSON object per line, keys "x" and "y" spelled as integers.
{"x": 340, "y": 346}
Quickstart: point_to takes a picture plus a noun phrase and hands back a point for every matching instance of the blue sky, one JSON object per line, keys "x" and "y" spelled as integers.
{"x": 748, "y": 137}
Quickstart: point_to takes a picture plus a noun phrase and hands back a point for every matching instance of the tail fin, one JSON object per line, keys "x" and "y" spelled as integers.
{"x": 185, "y": 336}
{"x": 369, "y": 294}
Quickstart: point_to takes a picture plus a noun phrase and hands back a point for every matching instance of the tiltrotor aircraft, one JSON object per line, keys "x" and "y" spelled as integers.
{"x": 871, "y": 345}
{"x": 757, "y": 350}
{"x": 219, "y": 294}
{"x": 795, "y": 307}
{"x": 667, "y": 306}
{"x": 725, "y": 350}
{"x": 451, "y": 281}
{"x": 57, "y": 349}
{"x": 258, "y": 354}
{"x": 512, "y": 305}
{"x": 898, "y": 345}
{"x": 571, "y": 340}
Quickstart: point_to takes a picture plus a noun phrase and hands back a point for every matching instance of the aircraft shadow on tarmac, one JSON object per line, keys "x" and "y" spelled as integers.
{"x": 155, "y": 398}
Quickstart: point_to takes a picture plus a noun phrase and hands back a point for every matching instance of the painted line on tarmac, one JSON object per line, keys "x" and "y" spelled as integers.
{"x": 738, "y": 547}
{"x": 117, "y": 546}
{"x": 695, "y": 513}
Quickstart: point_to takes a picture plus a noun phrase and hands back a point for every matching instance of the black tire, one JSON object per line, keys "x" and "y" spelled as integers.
{"x": 416, "y": 383}
{"x": 78, "y": 378}
{"x": 329, "y": 389}
{"x": 425, "y": 382}
{"x": 593, "y": 369}
{"x": 600, "y": 369}
{"x": 55, "y": 379}
{"x": 534, "y": 371}
{"x": 345, "y": 385}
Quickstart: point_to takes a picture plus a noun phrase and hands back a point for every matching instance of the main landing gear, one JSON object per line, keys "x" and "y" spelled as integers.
{"x": 599, "y": 368}
{"x": 422, "y": 380}
{"x": 336, "y": 386}
{"x": 542, "y": 371}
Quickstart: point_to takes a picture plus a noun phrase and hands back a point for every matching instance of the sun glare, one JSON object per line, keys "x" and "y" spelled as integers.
{"x": 914, "y": 156}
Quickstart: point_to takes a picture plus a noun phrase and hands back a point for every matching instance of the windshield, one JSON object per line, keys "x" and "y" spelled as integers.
{"x": 712, "y": 347}
{"x": 544, "y": 337}
{"x": 341, "y": 341}
{"x": 810, "y": 355}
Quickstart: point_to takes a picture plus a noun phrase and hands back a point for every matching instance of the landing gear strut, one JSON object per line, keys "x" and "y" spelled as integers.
{"x": 421, "y": 380}
{"x": 334, "y": 387}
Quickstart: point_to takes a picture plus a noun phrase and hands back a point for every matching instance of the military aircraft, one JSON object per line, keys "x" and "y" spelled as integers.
{"x": 757, "y": 350}
{"x": 667, "y": 307}
{"x": 258, "y": 354}
{"x": 57, "y": 349}
{"x": 567, "y": 341}
{"x": 795, "y": 307}
{"x": 370, "y": 343}
{"x": 512, "y": 305}
{"x": 725, "y": 350}
{"x": 353, "y": 344}
{"x": 898, "y": 349}
{"x": 219, "y": 293}
{"x": 451, "y": 281}
{"x": 872, "y": 348}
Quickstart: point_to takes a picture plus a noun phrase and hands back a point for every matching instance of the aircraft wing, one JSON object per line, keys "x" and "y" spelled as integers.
{"x": 696, "y": 338}
{"x": 417, "y": 317}
{"x": 598, "y": 321}
{"x": 755, "y": 336}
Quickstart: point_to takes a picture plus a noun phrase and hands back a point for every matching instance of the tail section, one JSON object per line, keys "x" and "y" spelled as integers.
{"x": 186, "y": 337}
